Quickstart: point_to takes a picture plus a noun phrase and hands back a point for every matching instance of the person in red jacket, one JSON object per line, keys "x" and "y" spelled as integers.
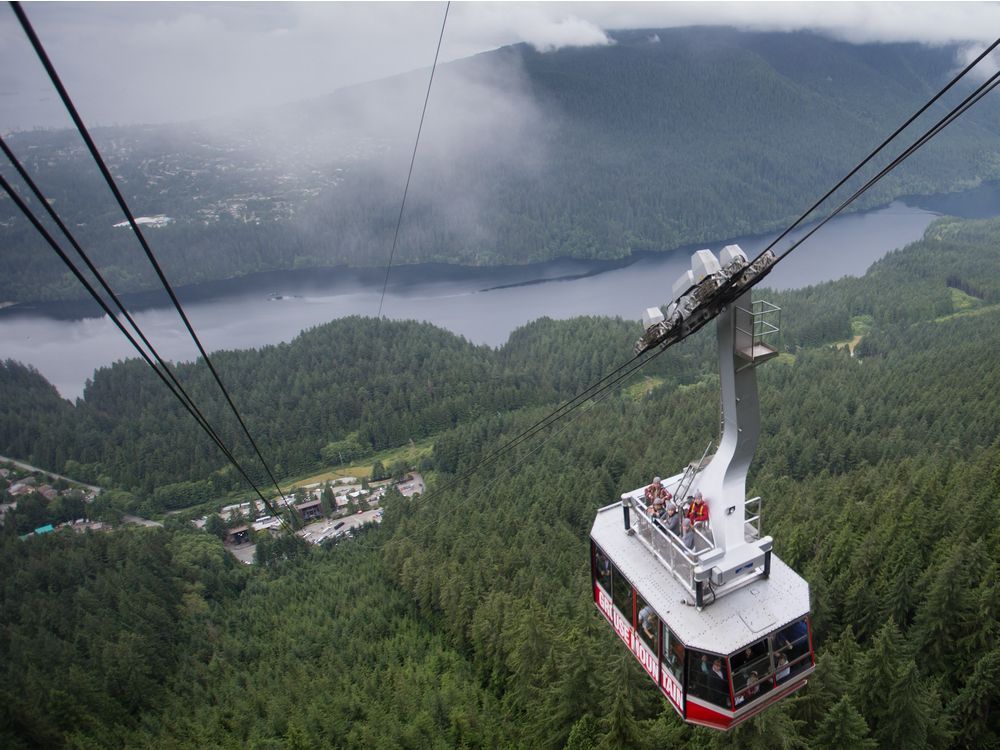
{"x": 698, "y": 511}
{"x": 653, "y": 491}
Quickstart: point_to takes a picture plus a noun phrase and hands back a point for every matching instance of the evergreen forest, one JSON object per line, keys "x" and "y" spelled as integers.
{"x": 465, "y": 619}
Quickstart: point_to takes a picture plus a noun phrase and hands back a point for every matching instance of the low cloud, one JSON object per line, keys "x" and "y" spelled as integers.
{"x": 545, "y": 26}
{"x": 989, "y": 65}
{"x": 167, "y": 62}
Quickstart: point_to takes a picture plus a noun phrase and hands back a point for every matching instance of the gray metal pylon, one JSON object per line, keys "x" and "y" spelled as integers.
{"x": 723, "y": 481}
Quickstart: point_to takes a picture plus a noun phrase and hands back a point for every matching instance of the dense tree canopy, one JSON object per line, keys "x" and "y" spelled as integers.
{"x": 465, "y": 619}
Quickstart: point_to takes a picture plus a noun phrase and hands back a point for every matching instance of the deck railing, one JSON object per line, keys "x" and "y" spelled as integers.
{"x": 751, "y": 526}
{"x": 667, "y": 546}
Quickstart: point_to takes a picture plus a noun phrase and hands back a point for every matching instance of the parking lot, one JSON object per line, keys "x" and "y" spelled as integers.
{"x": 315, "y": 533}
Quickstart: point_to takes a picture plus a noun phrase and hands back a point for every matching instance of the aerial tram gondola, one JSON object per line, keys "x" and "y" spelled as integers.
{"x": 722, "y": 628}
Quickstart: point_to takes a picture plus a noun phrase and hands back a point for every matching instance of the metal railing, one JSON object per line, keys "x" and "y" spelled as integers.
{"x": 751, "y": 524}
{"x": 754, "y": 325}
{"x": 666, "y": 546}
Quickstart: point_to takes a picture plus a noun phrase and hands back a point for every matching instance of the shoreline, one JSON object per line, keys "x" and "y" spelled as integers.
{"x": 980, "y": 202}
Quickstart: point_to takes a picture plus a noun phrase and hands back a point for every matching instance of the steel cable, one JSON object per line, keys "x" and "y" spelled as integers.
{"x": 109, "y": 179}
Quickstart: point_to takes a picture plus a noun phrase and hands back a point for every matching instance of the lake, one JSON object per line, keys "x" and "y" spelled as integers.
{"x": 66, "y": 342}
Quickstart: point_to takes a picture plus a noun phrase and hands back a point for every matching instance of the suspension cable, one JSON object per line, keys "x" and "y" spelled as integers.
{"x": 930, "y": 102}
{"x": 40, "y": 228}
{"x": 413, "y": 158}
{"x": 956, "y": 112}
{"x": 95, "y": 154}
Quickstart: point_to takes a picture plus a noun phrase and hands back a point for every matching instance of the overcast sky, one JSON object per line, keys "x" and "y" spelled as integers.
{"x": 127, "y": 63}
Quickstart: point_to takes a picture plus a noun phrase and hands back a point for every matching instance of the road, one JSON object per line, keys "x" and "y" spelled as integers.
{"x": 29, "y": 467}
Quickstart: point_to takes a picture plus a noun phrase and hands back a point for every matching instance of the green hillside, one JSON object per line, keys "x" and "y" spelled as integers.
{"x": 663, "y": 139}
{"x": 465, "y": 619}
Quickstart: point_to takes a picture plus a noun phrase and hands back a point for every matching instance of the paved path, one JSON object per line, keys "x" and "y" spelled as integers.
{"x": 29, "y": 467}
{"x": 140, "y": 521}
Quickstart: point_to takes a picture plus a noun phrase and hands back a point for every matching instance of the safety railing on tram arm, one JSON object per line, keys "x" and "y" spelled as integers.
{"x": 751, "y": 528}
{"x": 762, "y": 321}
{"x": 667, "y": 547}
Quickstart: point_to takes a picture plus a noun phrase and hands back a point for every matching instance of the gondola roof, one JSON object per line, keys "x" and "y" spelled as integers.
{"x": 724, "y": 626}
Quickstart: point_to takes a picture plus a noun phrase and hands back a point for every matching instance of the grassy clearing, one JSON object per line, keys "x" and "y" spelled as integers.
{"x": 644, "y": 387}
{"x": 980, "y": 309}
{"x": 411, "y": 454}
{"x": 860, "y": 325}
{"x": 963, "y": 302}
{"x": 785, "y": 358}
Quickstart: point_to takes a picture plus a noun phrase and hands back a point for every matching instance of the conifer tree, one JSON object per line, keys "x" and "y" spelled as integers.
{"x": 529, "y": 657}
{"x": 585, "y": 734}
{"x": 843, "y": 727}
{"x": 622, "y": 730}
{"x": 845, "y": 648}
{"x": 773, "y": 729}
{"x": 974, "y": 710}
{"x": 948, "y": 607}
{"x": 573, "y": 691}
{"x": 826, "y": 686}
{"x": 876, "y": 674}
{"x": 914, "y": 716}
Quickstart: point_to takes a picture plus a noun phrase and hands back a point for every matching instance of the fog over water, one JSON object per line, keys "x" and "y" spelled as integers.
{"x": 482, "y": 304}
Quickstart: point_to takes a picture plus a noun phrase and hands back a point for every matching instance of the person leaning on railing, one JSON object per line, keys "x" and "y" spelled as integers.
{"x": 698, "y": 511}
{"x": 687, "y": 536}
{"x": 672, "y": 519}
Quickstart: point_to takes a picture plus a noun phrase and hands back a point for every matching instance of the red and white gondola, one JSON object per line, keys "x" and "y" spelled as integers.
{"x": 722, "y": 627}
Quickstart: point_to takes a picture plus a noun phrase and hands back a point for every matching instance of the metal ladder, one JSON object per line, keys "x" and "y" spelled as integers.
{"x": 689, "y": 474}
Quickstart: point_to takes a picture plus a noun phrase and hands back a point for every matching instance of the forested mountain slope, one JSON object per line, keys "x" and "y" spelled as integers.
{"x": 465, "y": 620}
{"x": 662, "y": 139}
{"x": 367, "y": 385}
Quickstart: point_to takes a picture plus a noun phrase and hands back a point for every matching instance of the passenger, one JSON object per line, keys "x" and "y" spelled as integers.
{"x": 653, "y": 491}
{"x": 719, "y": 684}
{"x": 656, "y": 507}
{"x": 646, "y": 615}
{"x": 665, "y": 505}
{"x": 751, "y": 691}
{"x": 687, "y": 535}
{"x": 783, "y": 669}
{"x": 665, "y": 494}
{"x": 794, "y": 640}
{"x": 741, "y": 662}
{"x": 603, "y": 567}
{"x": 672, "y": 522}
{"x": 698, "y": 511}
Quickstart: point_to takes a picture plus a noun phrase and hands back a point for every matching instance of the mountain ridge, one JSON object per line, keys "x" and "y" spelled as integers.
{"x": 525, "y": 156}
